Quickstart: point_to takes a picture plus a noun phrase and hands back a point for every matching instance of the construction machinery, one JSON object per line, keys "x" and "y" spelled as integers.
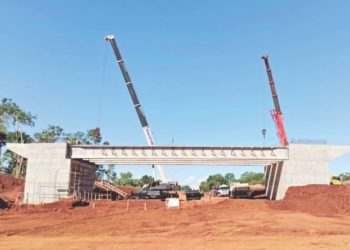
{"x": 146, "y": 129}
{"x": 247, "y": 192}
{"x": 158, "y": 190}
{"x": 194, "y": 194}
{"x": 223, "y": 191}
{"x": 335, "y": 180}
{"x": 276, "y": 113}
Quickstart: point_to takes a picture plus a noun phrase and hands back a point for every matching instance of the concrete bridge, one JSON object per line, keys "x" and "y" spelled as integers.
{"x": 56, "y": 170}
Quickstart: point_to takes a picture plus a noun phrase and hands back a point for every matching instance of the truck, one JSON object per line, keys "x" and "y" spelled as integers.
{"x": 223, "y": 191}
{"x": 244, "y": 191}
{"x": 158, "y": 190}
{"x": 193, "y": 194}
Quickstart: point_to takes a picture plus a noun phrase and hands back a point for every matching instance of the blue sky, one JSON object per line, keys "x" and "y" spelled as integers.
{"x": 196, "y": 67}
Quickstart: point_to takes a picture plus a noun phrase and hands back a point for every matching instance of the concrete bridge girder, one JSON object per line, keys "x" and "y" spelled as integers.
{"x": 140, "y": 155}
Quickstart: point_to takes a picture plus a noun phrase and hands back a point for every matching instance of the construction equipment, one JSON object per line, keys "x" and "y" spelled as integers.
{"x": 193, "y": 194}
{"x": 223, "y": 191}
{"x": 158, "y": 190}
{"x": 276, "y": 113}
{"x": 246, "y": 192}
{"x": 136, "y": 102}
{"x": 335, "y": 180}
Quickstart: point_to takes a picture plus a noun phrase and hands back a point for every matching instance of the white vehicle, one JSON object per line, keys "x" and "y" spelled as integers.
{"x": 223, "y": 190}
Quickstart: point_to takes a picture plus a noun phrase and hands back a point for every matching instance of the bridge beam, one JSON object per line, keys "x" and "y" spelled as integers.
{"x": 145, "y": 155}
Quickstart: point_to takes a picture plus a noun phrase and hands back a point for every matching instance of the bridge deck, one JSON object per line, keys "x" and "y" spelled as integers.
{"x": 178, "y": 155}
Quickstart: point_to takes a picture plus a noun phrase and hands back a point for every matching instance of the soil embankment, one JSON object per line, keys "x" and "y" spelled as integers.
{"x": 216, "y": 223}
{"x": 11, "y": 189}
{"x": 321, "y": 200}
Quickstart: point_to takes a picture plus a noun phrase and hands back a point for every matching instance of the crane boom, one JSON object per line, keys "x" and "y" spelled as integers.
{"x": 276, "y": 113}
{"x": 146, "y": 129}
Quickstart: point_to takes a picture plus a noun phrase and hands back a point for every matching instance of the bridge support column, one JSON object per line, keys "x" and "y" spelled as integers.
{"x": 307, "y": 164}
{"x": 272, "y": 179}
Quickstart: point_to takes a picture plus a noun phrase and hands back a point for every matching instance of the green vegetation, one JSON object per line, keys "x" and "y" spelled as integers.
{"x": 185, "y": 188}
{"x": 13, "y": 120}
{"x": 124, "y": 179}
{"x": 251, "y": 178}
{"x": 345, "y": 176}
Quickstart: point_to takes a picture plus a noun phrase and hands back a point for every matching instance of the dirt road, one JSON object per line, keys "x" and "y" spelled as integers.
{"x": 217, "y": 224}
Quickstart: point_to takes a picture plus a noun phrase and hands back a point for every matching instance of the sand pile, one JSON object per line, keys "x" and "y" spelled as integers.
{"x": 317, "y": 199}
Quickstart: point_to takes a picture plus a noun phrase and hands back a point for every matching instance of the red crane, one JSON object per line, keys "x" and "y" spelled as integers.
{"x": 276, "y": 113}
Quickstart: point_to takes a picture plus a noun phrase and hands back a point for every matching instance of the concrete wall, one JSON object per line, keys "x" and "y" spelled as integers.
{"x": 48, "y": 173}
{"x": 307, "y": 164}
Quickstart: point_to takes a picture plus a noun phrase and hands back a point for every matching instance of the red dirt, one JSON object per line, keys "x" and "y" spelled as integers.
{"x": 10, "y": 188}
{"x": 127, "y": 189}
{"x": 218, "y": 223}
{"x": 317, "y": 199}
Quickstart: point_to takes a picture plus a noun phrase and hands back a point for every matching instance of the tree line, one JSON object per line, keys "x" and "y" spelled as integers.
{"x": 13, "y": 122}
{"x": 249, "y": 177}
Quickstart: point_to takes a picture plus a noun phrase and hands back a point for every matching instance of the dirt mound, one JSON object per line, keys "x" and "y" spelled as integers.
{"x": 317, "y": 199}
{"x": 127, "y": 189}
{"x": 11, "y": 187}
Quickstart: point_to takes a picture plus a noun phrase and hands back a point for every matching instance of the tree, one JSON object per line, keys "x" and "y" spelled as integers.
{"x": 50, "y": 135}
{"x": 229, "y": 177}
{"x": 74, "y": 138}
{"x": 10, "y": 162}
{"x": 12, "y": 119}
{"x": 204, "y": 186}
{"x": 93, "y": 137}
{"x": 345, "y": 176}
{"x": 252, "y": 178}
{"x": 145, "y": 180}
{"x": 213, "y": 180}
{"x": 111, "y": 175}
{"x": 126, "y": 179}
{"x": 185, "y": 188}
{"x": 216, "y": 179}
